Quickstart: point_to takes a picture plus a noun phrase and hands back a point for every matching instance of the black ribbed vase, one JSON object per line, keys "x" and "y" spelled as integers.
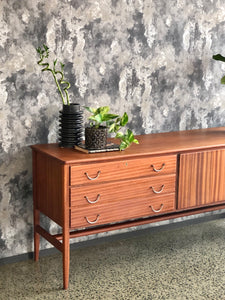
{"x": 96, "y": 138}
{"x": 70, "y": 125}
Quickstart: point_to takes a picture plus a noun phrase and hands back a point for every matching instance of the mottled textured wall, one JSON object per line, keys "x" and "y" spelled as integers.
{"x": 151, "y": 58}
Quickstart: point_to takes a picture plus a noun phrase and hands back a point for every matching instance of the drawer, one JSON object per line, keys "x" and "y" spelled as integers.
{"x": 121, "y": 211}
{"x": 117, "y": 170}
{"x": 100, "y": 194}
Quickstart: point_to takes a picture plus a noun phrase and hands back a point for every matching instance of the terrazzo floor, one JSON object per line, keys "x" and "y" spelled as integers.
{"x": 175, "y": 264}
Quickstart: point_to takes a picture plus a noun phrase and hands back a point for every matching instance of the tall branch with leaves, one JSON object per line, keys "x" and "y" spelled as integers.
{"x": 44, "y": 53}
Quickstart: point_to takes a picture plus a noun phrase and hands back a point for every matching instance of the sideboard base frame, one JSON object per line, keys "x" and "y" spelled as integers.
{"x": 56, "y": 238}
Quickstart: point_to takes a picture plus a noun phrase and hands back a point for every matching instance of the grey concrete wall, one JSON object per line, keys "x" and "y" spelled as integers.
{"x": 151, "y": 58}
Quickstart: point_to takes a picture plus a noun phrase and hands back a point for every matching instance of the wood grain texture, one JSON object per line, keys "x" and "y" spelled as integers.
{"x": 201, "y": 178}
{"x": 121, "y": 191}
{"x": 50, "y": 238}
{"x": 49, "y": 181}
{"x": 142, "y": 221}
{"x": 121, "y": 211}
{"x": 124, "y": 169}
{"x": 66, "y": 228}
{"x": 149, "y": 144}
{"x": 36, "y": 212}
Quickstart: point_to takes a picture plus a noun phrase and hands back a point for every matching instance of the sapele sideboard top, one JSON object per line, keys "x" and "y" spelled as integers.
{"x": 149, "y": 144}
{"x": 167, "y": 175}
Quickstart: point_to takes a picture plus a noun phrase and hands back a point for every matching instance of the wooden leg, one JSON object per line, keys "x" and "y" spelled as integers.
{"x": 65, "y": 227}
{"x": 36, "y": 235}
{"x": 66, "y": 258}
{"x": 36, "y": 212}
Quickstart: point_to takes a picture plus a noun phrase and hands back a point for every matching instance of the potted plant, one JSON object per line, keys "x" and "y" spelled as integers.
{"x": 101, "y": 122}
{"x": 71, "y": 117}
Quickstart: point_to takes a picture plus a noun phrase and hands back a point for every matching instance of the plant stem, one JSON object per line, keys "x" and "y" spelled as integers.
{"x": 59, "y": 88}
{"x": 54, "y": 73}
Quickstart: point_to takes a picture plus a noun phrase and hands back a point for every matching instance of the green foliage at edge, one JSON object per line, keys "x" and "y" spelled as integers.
{"x": 220, "y": 58}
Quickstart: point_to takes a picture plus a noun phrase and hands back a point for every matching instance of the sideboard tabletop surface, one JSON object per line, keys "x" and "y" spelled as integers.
{"x": 149, "y": 144}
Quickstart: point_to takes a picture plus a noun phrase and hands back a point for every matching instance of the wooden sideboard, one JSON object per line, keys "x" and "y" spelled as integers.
{"x": 167, "y": 175}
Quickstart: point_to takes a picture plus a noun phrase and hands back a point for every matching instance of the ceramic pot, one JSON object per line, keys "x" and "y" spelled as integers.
{"x": 70, "y": 125}
{"x": 96, "y": 138}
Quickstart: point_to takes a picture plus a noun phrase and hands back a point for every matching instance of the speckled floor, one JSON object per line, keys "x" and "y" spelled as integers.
{"x": 183, "y": 263}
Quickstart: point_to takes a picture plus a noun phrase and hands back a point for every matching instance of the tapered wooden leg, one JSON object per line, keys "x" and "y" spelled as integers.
{"x": 36, "y": 212}
{"x": 65, "y": 229}
{"x": 66, "y": 258}
{"x": 36, "y": 235}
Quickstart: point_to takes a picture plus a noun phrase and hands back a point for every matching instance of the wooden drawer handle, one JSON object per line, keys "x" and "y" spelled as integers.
{"x": 158, "y": 170}
{"x": 157, "y": 192}
{"x": 92, "y": 202}
{"x": 93, "y": 222}
{"x": 156, "y": 210}
{"x": 92, "y": 178}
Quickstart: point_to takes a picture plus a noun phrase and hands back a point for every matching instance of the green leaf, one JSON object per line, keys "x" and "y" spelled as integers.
{"x": 45, "y": 47}
{"x": 45, "y": 50}
{"x": 98, "y": 118}
{"x": 130, "y": 135}
{"x": 223, "y": 80}
{"x": 124, "y": 145}
{"x": 117, "y": 128}
{"x": 97, "y": 110}
{"x": 107, "y": 117}
{"x": 112, "y": 127}
{"x": 92, "y": 118}
{"x": 119, "y": 135}
{"x": 219, "y": 57}
{"x": 124, "y": 119}
{"x": 104, "y": 110}
{"x": 135, "y": 141}
{"x": 54, "y": 63}
{"x": 109, "y": 123}
{"x": 90, "y": 109}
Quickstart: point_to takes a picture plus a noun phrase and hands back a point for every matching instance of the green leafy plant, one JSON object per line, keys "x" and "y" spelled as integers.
{"x": 58, "y": 75}
{"x": 114, "y": 123}
{"x": 99, "y": 116}
{"x": 220, "y": 58}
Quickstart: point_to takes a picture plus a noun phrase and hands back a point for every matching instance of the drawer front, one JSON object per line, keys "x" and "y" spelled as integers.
{"x": 121, "y": 211}
{"x": 111, "y": 171}
{"x": 136, "y": 189}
